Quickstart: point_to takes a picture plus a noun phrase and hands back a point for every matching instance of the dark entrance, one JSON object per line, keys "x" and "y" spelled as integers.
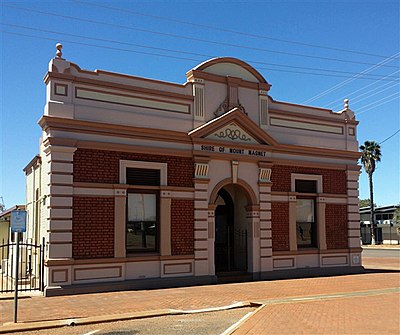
{"x": 230, "y": 242}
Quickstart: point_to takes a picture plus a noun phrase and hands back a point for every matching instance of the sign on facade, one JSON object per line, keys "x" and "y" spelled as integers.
{"x": 18, "y": 221}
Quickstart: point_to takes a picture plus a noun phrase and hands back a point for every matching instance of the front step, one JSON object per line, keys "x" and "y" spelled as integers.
{"x": 234, "y": 277}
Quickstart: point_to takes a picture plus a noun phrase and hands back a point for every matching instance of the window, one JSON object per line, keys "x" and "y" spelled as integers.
{"x": 306, "y": 186}
{"x": 145, "y": 180}
{"x": 306, "y": 228}
{"x": 144, "y": 177}
{"x": 142, "y": 221}
{"x": 305, "y": 223}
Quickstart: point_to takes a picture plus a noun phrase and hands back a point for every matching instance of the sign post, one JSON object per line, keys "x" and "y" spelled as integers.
{"x": 18, "y": 225}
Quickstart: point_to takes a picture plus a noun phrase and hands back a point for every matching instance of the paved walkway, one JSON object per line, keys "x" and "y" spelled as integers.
{"x": 291, "y": 304}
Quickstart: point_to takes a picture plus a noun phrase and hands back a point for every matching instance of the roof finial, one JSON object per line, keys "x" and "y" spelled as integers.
{"x": 346, "y": 103}
{"x": 59, "y": 52}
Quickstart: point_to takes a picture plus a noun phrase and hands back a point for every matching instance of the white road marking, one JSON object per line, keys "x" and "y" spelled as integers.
{"x": 92, "y": 332}
{"x": 236, "y": 324}
{"x": 213, "y": 309}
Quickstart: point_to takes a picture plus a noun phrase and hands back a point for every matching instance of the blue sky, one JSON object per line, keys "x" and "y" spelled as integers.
{"x": 284, "y": 40}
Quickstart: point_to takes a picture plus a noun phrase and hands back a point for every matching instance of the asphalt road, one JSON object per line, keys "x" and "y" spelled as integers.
{"x": 375, "y": 252}
{"x": 213, "y": 323}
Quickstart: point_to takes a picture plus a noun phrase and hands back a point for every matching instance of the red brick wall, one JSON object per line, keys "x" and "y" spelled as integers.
{"x": 280, "y": 226}
{"x": 93, "y": 227}
{"x": 336, "y": 226}
{"x": 182, "y": 227}
{"x": 334, "y": 181}
{"x": 100, "y": 166}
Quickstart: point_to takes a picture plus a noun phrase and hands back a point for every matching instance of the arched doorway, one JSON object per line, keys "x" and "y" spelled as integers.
{"x": 231, "y": 242}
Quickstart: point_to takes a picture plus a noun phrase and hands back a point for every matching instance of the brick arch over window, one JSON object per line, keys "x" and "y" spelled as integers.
{"x": 248, "y": 191}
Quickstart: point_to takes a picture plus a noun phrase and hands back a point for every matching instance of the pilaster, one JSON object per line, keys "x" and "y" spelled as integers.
{"x": 202, "y": 255}
{"x": 321, "y": 230}
{"x": 292, "y": 222}
{"x": 58, "y": 191}
{"x": 353, "y": 215}
{"x": 120, "y": 194}
{"x": 265, "y": 237}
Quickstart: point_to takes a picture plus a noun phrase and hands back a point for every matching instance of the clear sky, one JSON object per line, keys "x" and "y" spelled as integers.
{"x": 307, "y": 50}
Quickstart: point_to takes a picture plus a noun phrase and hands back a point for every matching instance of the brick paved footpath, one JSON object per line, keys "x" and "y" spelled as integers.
{"x": 76, "y": 306}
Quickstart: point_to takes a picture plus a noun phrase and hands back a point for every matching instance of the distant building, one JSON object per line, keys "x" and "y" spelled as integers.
{"x": 147, "y": 183}
{"x": 5, "y": 231}
{"x": 387, "y": 230}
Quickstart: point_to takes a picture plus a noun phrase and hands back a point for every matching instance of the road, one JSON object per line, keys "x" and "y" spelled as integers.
{"x": 188, "y": 324}
{"x": 375, "y": 252}
{"x": 343, "y": 305}
{"x": 377, "y": 258}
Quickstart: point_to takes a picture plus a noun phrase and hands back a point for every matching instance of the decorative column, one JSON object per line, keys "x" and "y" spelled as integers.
{"x": 202, "y": 257}
{"x": 264, "y": 183}
{"x": 253, "y": 240}
{"x": 321, "y": 230}
{"x": 198, "y": 93}
{"x": 120, "y": 194}
{"x": 353, "y": 216}
{"x": 165, "y": 223}
{"x": 263, "y": 98}
{"x": 211, "y": 238}
{"x": 292, "y": 222}
{"x": 58, "y": 191}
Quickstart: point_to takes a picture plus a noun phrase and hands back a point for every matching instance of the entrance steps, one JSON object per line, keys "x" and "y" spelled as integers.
{"x": 234, "y": 277}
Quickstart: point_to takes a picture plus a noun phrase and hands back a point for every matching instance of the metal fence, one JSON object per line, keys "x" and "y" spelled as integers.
{"x": 30, "y": 267}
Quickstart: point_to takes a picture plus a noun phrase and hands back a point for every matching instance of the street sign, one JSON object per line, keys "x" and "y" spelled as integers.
{"x": 18, "y": 221}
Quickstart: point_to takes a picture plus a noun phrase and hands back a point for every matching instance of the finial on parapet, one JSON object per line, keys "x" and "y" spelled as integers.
{"x": 346, "y": 103}
{"x": 59, "y": 50}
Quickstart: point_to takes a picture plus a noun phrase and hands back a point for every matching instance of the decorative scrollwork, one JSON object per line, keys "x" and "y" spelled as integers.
{"x": 233, "y": 134}
{"x": 226, "y": 106}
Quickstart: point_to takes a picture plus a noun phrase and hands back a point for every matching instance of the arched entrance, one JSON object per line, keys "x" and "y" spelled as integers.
{"x": 231, "y": 230}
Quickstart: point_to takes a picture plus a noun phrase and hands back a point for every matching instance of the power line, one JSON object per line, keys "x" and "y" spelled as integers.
{"x": 388, "y": 138}
{"x": 188, "y": 37}
{"x": 170, "y": 56}
{"x": 181, "y": 51}
{"x": 358, "y": 90}
{"x": 127, "y": 11}
{"x": 374, "y": 104}
{"x": 355, "y": 101}
{"x": 335, "y": 87}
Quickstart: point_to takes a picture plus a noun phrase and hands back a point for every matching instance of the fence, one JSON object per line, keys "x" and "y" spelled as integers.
{"x": 30, "y": 267}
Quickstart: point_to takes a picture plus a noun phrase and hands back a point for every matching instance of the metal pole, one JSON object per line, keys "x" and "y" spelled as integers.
{"x": 16, "y": 278}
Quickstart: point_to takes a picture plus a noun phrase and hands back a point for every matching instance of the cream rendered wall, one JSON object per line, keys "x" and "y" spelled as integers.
{"x": 214, "y": 96}
{"x": 4, "y": 232}
{"x": 233, "y": 70}
{"x": 45, "y": 192}
{"x": 30, "y": 180}
{"x": 33, "y": 202}
{"x": 248, "y": 98}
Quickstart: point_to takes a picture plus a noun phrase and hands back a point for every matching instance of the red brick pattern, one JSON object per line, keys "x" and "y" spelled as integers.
{"x": 334, "y": 181}
{"x": 280, "y": 226}
{"x": 101, "y": 166}
{"x": 336, "y": 226}
{"x": 182, "y": 227}
{"x": 93, "y": 227}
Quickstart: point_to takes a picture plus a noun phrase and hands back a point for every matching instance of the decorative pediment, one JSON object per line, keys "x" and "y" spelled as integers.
{"x": 232, "y": 132}
{"x": 233, "y": 126}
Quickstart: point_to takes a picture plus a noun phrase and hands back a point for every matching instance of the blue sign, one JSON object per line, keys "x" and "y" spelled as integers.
{"x": 18, "y": 221}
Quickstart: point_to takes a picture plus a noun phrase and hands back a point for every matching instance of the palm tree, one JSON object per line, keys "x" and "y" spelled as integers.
{"x": 371, "y": 153}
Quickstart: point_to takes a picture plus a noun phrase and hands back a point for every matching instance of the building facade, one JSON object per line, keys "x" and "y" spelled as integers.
{"x": 148, "y": 183}
{"x": 387, "y": 229}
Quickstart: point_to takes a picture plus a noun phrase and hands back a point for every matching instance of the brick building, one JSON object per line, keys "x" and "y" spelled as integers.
{"x": 144, "y": 183}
